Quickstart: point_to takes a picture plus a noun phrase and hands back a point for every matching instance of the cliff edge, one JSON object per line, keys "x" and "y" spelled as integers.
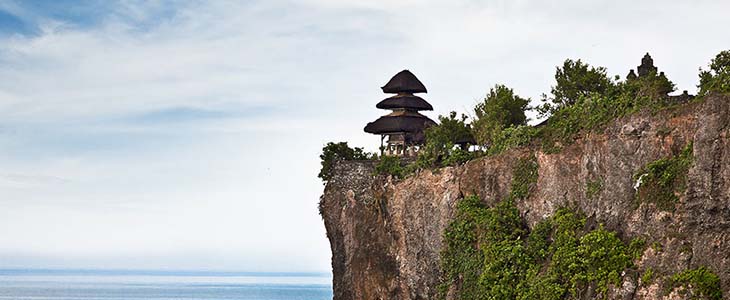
{"x": 386, "y": 234}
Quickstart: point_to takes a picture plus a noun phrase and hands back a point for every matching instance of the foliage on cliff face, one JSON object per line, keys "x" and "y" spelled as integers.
{"x": 524, "y": 178}
{"x": 501, "y": 109}
{"x": 490, "y": 253}
{"x": 717, "y": 78}
{"x": 661, "y": 181}
{"x": 333, "y": 152}
{"x": 700, "y": 283}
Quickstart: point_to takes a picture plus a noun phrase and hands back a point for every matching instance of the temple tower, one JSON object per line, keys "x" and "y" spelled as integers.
{"x": 404, "y": 126}
{"x": 647, "y": 66}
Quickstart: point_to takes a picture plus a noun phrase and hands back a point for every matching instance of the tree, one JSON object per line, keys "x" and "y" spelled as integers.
{"x": 499, "y": 110}
{"x": 441, "y": 138}
{"x": 718, "y": 77}
{"x": 573, "y": 81}
{"x": 333, "y": 152}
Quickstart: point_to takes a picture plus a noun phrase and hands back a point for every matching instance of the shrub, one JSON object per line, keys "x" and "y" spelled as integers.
{"x": 512, "y": 137}
{"x": 333, "y": 152}
{"x": 490, "y": 254}
{"x": 647, "y": 276}
{"x": 717, "y": 78}
{"x": 661, "y": 180}
{"x": 701, "y": 281}
{"x": 500, "y": 109}
{"x": 390, "y": 165}
{"x": 524, "y": 178}
{"x": 593, "y": 188}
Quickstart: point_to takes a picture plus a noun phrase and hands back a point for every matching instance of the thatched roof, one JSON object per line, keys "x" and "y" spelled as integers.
{"x": 404, "y": 82}
{"x": 410, "y": 122}
{"x": 407, "y": 101}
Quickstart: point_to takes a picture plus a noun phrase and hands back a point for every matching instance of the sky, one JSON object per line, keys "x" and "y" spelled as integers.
{"x": 184, "y": 135}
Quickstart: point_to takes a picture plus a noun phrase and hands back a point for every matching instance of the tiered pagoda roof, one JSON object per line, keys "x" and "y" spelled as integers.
{"x": 404, "y": 82}
{"x": 408, "y": 101}
{"x": 405, "y": 118}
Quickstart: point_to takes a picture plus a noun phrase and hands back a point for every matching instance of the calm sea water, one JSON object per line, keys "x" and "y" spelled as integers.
{"x": 161, "y": 285}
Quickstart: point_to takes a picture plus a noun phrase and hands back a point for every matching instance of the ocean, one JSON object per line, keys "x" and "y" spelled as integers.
{"x": 161, "y": 285}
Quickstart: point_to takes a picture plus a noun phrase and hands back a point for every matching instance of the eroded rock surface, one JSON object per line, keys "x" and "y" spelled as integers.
{"x": 386, "y": 234}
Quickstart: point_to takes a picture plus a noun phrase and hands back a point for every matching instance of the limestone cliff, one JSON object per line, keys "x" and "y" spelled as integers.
{"x": 386, "y": 234}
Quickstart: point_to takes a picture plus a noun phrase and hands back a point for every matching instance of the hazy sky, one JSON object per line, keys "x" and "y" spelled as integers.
{"x": 186, "y": 134}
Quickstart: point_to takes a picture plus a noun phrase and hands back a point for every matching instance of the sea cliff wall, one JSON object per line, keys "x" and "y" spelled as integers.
{"x": 386, "y": 234}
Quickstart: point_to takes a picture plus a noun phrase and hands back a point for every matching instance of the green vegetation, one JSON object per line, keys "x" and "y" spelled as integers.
{"x": 524, "y": 178}
{"x": 441, "y": 139}
{"x": 716, "y": 79}
{"x": 593, "y": 188}
{"x": 647, "y": 277}
{"x": 575, "y": 81}
{"x": 390, "y": 165}
{"x": 491, "y": 254}
{"x": 500, "y": 109}
{"x": 583, "y": 99}
{"x": 660, "y": 181}
{"x": 652, "y": 88}
{"x": 333, "y": 152}
{"x": 637, "y": 247}
{"x": 702, "y": 282}
{"x": 513, "y": 137}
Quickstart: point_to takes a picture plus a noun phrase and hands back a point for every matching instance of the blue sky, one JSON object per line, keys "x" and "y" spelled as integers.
{"x": 186, "y": 134}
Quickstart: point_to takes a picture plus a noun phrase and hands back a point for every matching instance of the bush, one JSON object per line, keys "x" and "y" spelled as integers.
{"x": 500, "y": 109}
{"x": 333, "y": 152}
{"x": 490, "y": 254}
{"x": 701, "y": 281}
{"x": 512, "y": 137}
{"x": 390, "y": 165}
{"x": 661, "y": 180}
{"x": 718, "y": 77}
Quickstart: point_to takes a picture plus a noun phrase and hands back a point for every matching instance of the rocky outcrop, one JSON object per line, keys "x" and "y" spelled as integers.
{"x": 386, "y": 234}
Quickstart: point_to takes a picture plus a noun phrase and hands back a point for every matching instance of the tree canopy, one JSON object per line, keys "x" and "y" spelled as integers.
{"x": 717, "y": 78}
{"x": 500, "y": 109}
{"x": 573, "y": 81}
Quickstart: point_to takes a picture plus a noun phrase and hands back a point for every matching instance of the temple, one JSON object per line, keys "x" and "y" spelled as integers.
{"x": 648, "y": 70}
{"x": 647, "y": 66}
{"x": 404, "y": 126}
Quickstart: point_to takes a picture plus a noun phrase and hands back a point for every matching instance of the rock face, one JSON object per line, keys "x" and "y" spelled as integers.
{"x": 386, "y": 234}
